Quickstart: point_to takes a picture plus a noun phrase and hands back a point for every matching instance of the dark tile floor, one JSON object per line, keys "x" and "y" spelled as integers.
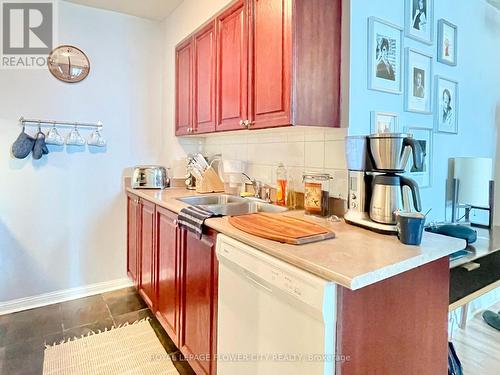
{"x": 23, "y": 335}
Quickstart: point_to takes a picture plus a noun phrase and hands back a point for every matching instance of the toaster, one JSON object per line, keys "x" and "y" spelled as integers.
{"x": 150, "y": 177}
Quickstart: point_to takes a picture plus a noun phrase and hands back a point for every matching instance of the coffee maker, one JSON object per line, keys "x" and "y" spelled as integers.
{"x": 376, "y": 185}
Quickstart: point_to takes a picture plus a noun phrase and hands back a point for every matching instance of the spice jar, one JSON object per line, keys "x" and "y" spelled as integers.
{"x": 316, "y": 193}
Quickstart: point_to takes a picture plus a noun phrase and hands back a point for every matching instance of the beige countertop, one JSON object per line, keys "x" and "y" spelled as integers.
{"x": 355, "y": 258}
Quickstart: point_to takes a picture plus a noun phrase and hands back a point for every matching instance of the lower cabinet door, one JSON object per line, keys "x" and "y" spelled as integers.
{"x": 133, "y": 233}
{"x": 199, "y": 302}
{"x": 148, "y": 262}
{"x": 169, "y": 242}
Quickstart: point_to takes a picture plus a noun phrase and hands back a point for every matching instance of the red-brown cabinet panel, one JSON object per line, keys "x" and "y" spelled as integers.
{"x": 133, "y": 233}
{"x": 272, "y": 61}
{"x": 317, "y": 47}
{"x": 205, "y": 71}
{"x": 199, "y": 302}
{"x": 148, "y": 249}
{"x": 184, "y": 88}
{"x": 232, "y": 67}
{"x": 168, "y": 240}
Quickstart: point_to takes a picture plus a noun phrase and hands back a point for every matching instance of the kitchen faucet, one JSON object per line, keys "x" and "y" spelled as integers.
{"x": 257, "y": 187}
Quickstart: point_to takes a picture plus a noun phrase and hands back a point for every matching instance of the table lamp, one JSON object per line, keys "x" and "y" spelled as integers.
{"x": 473, "y": 188}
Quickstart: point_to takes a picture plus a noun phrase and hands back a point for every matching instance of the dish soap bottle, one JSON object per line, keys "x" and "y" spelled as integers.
{"x": 281, "y": 181}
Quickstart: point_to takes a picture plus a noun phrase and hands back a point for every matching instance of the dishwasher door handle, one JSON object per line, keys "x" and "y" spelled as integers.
{"x": 257, "y": 283}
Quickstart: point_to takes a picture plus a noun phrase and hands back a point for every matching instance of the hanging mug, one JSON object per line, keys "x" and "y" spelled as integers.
{"x": 74, "y": 138}
{"x": 54, "y": 138}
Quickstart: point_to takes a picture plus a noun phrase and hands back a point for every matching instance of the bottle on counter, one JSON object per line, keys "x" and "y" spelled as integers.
{"x": 281, "y": 182}
{"x": 291, "y": 197}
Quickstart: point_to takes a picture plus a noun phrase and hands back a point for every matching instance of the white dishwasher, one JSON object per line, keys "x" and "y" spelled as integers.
{"x": 273, "y": 318}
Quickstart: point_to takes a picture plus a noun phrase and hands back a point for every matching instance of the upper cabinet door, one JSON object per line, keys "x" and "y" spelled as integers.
{"x": 205, "y": 70}
{"x": 184, "y": 88}
{"x": 232, "y": 67}
{"x": 272, "y": 61}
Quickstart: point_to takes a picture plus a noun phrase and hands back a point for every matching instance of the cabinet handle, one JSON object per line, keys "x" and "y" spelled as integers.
{"x": 190, "y": 130}
{"x": 242, "y": 123}
{"x": 249, "y": 123}
{"x": 176, "y": 222}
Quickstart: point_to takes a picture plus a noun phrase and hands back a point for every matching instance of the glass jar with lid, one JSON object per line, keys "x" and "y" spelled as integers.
{"x": 316, "y": 193}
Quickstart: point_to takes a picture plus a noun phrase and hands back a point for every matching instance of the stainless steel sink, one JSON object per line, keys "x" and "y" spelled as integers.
{"x": 211, "y": 199}
{"x": 229, "y": 205}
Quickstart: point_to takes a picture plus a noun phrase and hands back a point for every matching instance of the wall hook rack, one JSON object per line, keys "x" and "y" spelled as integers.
{"x": 37, "y": 122}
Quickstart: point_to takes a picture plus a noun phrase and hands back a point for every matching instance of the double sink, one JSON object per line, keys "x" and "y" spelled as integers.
{"x": 230, "y": 205}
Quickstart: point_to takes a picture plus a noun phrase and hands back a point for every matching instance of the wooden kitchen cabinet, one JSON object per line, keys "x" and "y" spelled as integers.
{"x": 133, "y": 234}
{"x": 147, "y": 285}
{"x": 169, "y": 263}
{"x": 184, "y": 88}
{"x": 278, "y": 64}
{"x": 272, "y": 63}
{"x": 232, "y": 66}
{"x": 176, "y": 275}
{"x": 199, "y": 302}
{"x": 205, "y": 71}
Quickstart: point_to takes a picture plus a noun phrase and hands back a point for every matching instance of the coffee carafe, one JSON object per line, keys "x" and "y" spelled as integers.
{"x": 390, "y": 153}
{"x": 388, "y": 197}
{"x": 376, "y": 188}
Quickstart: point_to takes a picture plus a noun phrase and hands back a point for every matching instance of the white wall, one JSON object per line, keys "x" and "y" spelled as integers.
{"x": 477, "y": 73}
{"x": 62, "y": 219}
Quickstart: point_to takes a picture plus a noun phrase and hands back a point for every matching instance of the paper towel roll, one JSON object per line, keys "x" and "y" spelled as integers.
{"x": 474, "y": 175}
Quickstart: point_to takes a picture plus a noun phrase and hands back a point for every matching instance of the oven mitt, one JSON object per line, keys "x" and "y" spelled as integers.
{"x": 23, "y": 145}
{"x": 493, "y": 319}
{"x": 40, "y": 148}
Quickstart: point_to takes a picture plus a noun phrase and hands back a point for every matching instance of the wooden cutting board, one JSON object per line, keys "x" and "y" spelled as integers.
{"x": 281, "y": 228}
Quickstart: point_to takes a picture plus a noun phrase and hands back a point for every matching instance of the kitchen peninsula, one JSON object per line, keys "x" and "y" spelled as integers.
{"x": 391, "y": 298}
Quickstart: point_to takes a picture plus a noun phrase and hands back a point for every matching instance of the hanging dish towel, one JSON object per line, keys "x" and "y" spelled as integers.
{"x": 23, "y": 145}
{"x": 192, "y": 219}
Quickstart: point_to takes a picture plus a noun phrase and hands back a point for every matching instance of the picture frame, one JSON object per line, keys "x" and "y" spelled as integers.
{"x": 418, "y": 87}
{"x": 385, "y": 56}
{"x": 419, "y": 20}
{"x": 447, "y": 43}
{"x": 447, "y": 100}
{"x": 423, "y": 177}
{"x": 384, "y": 122}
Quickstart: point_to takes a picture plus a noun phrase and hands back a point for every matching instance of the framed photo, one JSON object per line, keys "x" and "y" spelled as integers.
{"x": 384, "y": 56}
{"x": 447, "y": 43}
{"x": 419, "y": 16}
{"x": 384, "y": 122}
{"x": 418, "y": 95}
{"x": 446, "y": 116}
{"x": 425, "y": 138}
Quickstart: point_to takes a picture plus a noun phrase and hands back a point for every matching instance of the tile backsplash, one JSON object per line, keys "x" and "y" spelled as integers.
{"x": 299, "y": 148}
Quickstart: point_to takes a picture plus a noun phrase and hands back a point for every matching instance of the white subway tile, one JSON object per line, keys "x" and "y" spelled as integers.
{"x": 335, "y": 155}
{"x": 291, "y": 154}
{"x": 315, "y": 154}
{"x": 314, "y": 134}
{"x": 334, "y": 134}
